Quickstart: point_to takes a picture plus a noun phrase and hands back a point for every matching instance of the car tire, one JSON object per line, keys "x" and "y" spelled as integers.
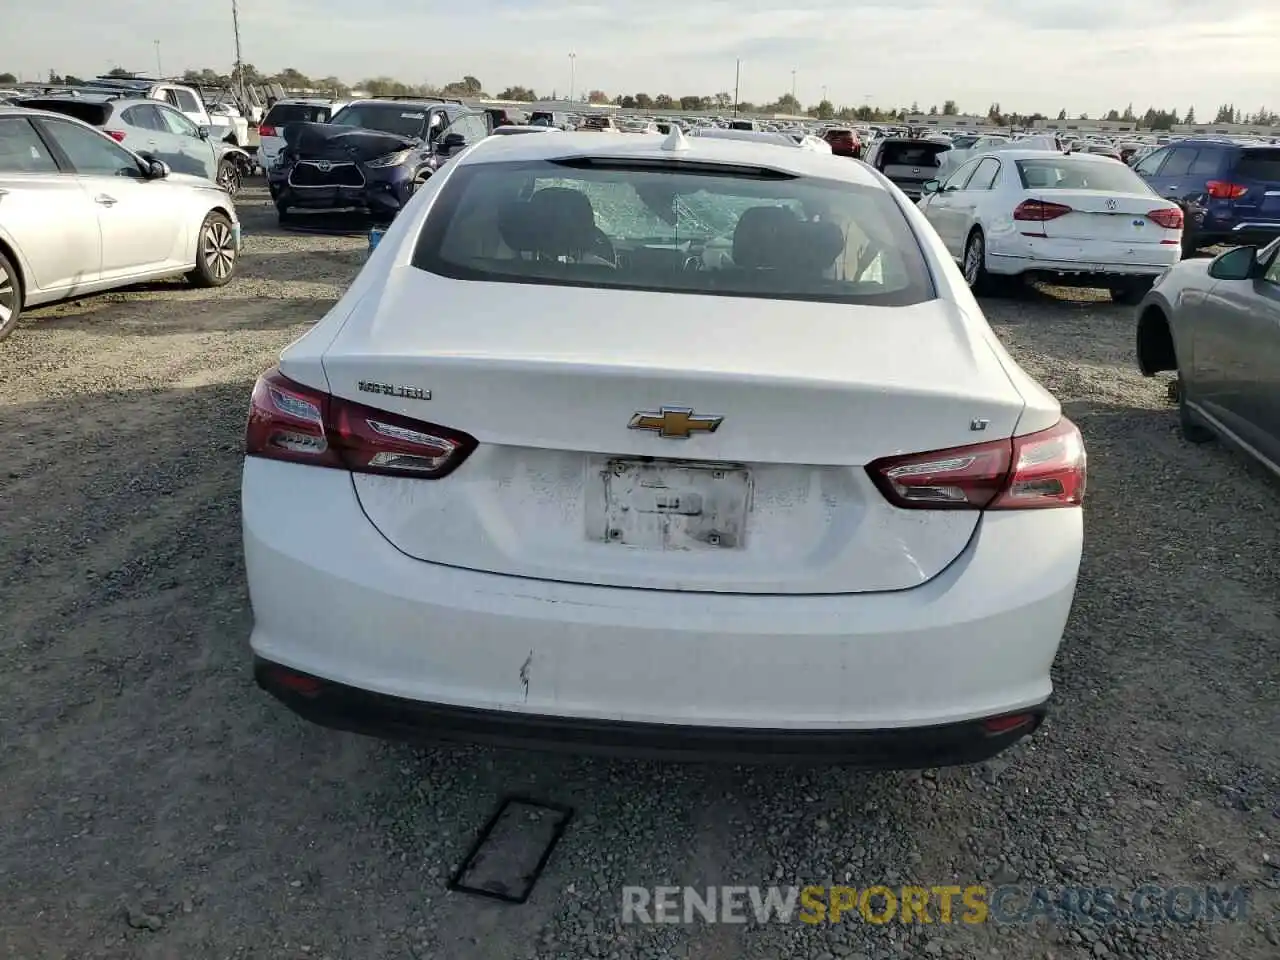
{"x": 974, "y": 267}
{"x": 229, "y": 177}
{"x": 216, "y": 255}
{"x": 1192, "y": 430}
{"x": 10, "y": 297}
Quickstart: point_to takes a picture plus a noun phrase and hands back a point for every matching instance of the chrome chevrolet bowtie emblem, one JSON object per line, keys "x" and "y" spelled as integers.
{"x": 324, "y": 166}
{"x": 675, "y": 423}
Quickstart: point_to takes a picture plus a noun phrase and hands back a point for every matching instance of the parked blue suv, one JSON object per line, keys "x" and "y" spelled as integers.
{"x": 1229, "y": 192}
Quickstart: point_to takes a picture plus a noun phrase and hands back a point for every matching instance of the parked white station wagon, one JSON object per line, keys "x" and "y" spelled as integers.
{"x": 688, "y": 447}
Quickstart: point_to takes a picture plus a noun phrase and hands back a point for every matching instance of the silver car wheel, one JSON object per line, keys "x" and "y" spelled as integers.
{"x": 219, "y": 250}
{"x": 8, "y": 297}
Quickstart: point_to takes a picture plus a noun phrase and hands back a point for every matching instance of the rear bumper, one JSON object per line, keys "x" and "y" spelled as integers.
{"x": 343, "y": 707}
{"x": 1094, "y": 264}
{"x": 430, "y": 645}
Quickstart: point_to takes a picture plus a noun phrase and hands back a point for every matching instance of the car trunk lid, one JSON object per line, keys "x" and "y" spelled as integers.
{"x": 574, "y": 480}
{"x": 1104, "y": 215}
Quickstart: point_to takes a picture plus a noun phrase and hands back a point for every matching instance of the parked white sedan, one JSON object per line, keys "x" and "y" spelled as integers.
{"x": 80, "y": 213}
{"x": 545, "y": 476}
{"x": 1079, "y": 219}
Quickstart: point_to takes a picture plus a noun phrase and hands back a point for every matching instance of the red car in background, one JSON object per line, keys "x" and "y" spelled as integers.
{"x": 844, "y": 143}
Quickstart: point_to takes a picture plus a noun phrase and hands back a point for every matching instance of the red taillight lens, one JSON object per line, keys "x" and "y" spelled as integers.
{"x": 288, "y": 421}
{"x": 267, "y": 131}
{"x": 1040, "y": 210}
{"x": 1221, "y": 190}
{"x": 1045, "y": 469}
{"x": 116, "y": 135}
{"x": 1170, "y": 218}
{"x": 994, "y": 726}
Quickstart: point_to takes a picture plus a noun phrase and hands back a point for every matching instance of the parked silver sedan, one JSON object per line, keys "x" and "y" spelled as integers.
{"x": 1217, "y": 323}
{"x": 80, "y": 213}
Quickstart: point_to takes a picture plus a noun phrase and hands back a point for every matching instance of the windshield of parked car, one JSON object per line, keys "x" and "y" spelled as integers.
{"x": 709, "y": 230}
{"x": 1069, "y": 174}
{"x": 405, "y": 120}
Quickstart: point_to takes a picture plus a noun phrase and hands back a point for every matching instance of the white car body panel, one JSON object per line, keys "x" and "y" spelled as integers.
{"x": 484, "y": 589}
{"x": 976, "y": 641}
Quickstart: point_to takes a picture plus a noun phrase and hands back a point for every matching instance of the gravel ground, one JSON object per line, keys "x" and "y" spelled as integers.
{"x": 154, "y": 804}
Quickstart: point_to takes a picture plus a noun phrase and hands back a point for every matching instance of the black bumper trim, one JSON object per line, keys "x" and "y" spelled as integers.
{"x": 354, "y": 710}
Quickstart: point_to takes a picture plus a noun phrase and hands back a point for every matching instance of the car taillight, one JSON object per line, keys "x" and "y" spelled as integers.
{"x": 288, "y": 421}
{"x": 116, "y": 135}
{"x": 1168, "y": 217}
{"x": 1045, "y": 469}
{"x": 1221, "y": 190}
{"x": 267, "y": 131}
{"x": 1040, "y": 210}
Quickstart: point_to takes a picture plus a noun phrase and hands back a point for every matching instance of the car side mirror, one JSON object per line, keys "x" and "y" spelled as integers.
{"x": 157, "y": 169}
{"x": 452, "y": 142}
{"x": 1238, "y": 264}
{"x": 931, "y": 186}
{"x": 205, "y": 133}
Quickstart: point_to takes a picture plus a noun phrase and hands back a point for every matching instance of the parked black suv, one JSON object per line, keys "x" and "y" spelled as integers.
{"x": 372, "y": 155}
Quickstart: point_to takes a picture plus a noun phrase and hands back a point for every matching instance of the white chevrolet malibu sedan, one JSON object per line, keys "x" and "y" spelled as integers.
{"x": 680, "y": 447}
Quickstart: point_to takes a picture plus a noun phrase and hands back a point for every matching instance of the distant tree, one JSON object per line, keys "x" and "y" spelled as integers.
{"x": 468, "y": 86}
{"x": 933, "y": 111}
{"x": 8, "y": 78}
{"x": 597, "y": 96}
{"x": 1191, "y": 116}
{"x": 1112, "y": 115}
{"x": 54, "y": 77}
{"x": 643, "y": 101}
{"x": 1062, "y": 114}
{"x": 119, "y": 72}
{"x": 1084, "y": 116}
{"x": 628, "y": 102}
{"x": 292, "y": 79}
{"x": 1226, "y": 113}
{"x": 722, "y": 101}
{"x": 1128, "y": 113}
{"x": 663, "y": 102}
{"x": 823, "y": 111}
{"x": 915, "y": 107}
{"x": 693, "y": 102}
{"x": 333, "y": 85}
{"x": 949, "y": 109}
{"x": 518, "y": 93}
{"x": 72, "y": 81}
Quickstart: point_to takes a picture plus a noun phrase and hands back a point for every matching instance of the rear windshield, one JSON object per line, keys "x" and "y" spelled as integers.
{"x": 283, "y": 113}
{"x": 405, "y": 120}
{"x": 699, "y": 230}
{"x": 1259, "y": 165}
{"x": 87, "y": 111}
{"x": 1068, "y": 174}
{"x": 911, "y": 154}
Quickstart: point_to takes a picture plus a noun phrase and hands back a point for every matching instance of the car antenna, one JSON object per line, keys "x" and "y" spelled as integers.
{"x": 676, "y": 141}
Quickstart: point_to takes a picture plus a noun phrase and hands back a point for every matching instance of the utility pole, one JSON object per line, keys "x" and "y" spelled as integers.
{"x": 159, "y": 69}
{"x": 737, "y": 80}
{"x": 238, "y": 76}
{"x": 573, "y": 64}
{"x": 793, "y": 84}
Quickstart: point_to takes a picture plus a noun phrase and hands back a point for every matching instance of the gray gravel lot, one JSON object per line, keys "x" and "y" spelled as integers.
{"x": 154, "y": 804}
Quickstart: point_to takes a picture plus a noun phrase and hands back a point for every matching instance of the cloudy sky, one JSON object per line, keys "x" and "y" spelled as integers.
{"x": 1047, "y": 55}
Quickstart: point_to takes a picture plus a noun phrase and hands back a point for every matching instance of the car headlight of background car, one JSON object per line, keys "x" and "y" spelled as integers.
{"x": 390, "y": 160}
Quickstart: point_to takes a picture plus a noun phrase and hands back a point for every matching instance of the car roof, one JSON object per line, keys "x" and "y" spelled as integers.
{"x": 775, "y": 156}
{"x": 1045, "y": 155}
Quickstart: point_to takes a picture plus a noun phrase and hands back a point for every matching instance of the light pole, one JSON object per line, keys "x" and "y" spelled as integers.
{"x": 793, "y": 84}
{"x": 824, "y": 93}
{"x": 737, "y": 82}
{"x": 573, "y": 57}
{"x": 159, "y": 69}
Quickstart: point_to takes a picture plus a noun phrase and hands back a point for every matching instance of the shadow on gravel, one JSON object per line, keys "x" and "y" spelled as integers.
{"x": 138, "y": 316}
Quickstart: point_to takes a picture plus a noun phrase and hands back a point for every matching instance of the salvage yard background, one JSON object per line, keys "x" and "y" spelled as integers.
{"x": 154, "y": 804}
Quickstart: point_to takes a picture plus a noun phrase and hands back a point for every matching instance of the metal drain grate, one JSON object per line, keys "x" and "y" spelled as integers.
{"x": 512, "y": 850}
